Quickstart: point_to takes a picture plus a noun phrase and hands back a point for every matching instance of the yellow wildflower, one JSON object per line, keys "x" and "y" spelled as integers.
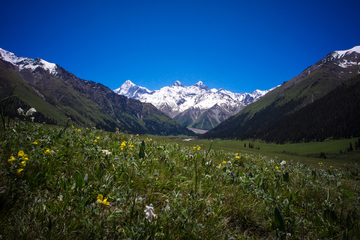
{"x": 237, "y": 156}
{"x": 79, "y": 130}
{"x": 224, "y": 162}
{"x": 35, "y": 143}
{"x": 98, "y": 138}
{"x": 123, "y": 144}
{"x": 100, "y": 198}
{"x": 47, "y": 151}
{"x": 137, "y": 135}
{"x": 220, "y": 165}
{"x": 105, "y": 202}
{"x": 330, "y": 166}
{"x": 95, "y": 140}
{"x": 23, "y": 163}
{"x": 11, "y": 159}
{"x": 198, "y": 148}
{"x": 131, "y": 145}
{"x": 20, "y": 153}
{"x": 276, "y": 167}
{"x": 19, "y": 171}
{"x": 72, "y": 126}
{"x": 130, "y": 153}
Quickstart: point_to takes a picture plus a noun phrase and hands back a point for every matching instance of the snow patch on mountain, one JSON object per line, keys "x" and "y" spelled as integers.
{"x": 27, "y": 63}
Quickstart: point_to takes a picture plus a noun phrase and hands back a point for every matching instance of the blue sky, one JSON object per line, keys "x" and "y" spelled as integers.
{"x": 235, "y": 45}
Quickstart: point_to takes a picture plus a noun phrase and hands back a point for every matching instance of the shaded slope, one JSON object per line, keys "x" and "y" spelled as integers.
{"x": 257, "y": 119}
{"x": 87, "y": 103}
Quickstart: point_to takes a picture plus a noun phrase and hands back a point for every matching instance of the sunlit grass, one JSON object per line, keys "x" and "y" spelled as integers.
{"x": 85, "y": 183}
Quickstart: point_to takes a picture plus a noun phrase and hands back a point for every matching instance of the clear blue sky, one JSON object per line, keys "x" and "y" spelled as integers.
{"x": 235, "y": 45}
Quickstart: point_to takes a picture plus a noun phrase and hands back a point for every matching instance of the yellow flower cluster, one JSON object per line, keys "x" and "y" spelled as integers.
{"x": 101, "y": 200}
{"x": 47, "y": 151}
{"x": 123, "y": 144}
{"x": 237, "y": 156}
{"x": 197, "y": 148}
{"x": 22, "y": 161}
{"x": 321, "y": 164}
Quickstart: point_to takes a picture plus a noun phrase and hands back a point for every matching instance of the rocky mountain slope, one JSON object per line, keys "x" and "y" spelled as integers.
{"x": 194, "y": 106}
{"x": 59, "y": 95}
{"x": 277, "y": 108}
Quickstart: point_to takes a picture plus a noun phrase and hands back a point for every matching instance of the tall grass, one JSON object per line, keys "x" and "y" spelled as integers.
{"x": 86, "y": 183}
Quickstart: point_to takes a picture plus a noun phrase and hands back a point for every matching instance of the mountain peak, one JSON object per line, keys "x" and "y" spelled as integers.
{"x": 342, "y": 53}
{"x": 27, "y": 63}
{"x": 201, "y": 85}
{"x": 178, "y": 83}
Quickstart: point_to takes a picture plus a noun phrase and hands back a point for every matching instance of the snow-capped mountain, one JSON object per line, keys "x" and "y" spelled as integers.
{"x": 187, "y": 104}
{"x": 345, "y": 58}
{"x": 27, "y": 63}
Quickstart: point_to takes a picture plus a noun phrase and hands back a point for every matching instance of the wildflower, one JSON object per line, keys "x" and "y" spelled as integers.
{"x": 100, "y": 198}
{"x": 98, "y": 138}
{"x": 20, "y": 111}
{"x": 130, "y": 153}
{"x": 25, "y": 157}
{"x": 330, "y": 166}
{"x": 95, "y": 140}
{"x": 19, "y": 171}
{"x": 224, "y": 162}
{"x": 30, "y": 111}
{"x": 283, "y": 163}
{"x": 35, "y": 143}
{"x": 20, "y": 153}
{"x": 150, "y": 212}
{"x": 237, "y": 157}
{"x": 199, "y": 148}
{"x": 79, "y": 130}
{"x": 11, "y": 159}
{"x": 23, "y": 163}
{"x": 123, "y": 144}
{"x": 47, "y": 151}
{"x": 131, "y": 145}
{"x": 220, "y": 165}
{"x": 106, "y": 152}
{"x": 102, "y": 201}
{"x": 105, "y": 202}
{"x": 137, "y": 135}
{"x": 32, "y": 119}
{"x": 72, "y": 126}
{"x": 276, "y": 167}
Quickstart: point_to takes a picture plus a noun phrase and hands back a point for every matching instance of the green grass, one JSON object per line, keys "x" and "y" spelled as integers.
{"x": 85, "y": 183}
{"x": 305, "y": 153}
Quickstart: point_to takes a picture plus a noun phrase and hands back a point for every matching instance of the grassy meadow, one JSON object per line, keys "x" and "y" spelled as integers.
{"x": 72, "y": 183}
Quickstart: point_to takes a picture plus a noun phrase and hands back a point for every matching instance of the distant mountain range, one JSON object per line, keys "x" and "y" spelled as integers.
{"x": 194, "y": 106}
{"x": 58, "y": 95}
{"x": 321, "y": 102}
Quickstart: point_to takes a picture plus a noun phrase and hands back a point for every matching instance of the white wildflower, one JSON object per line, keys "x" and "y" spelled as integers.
{"x": 30, "y": 111}
{"x": 106, "y": 152}
{"x": 150, "y": 213}
{"x": 32, "y": 119}
{"x": 283, "y": 163}
{"x": 20, "y": 111}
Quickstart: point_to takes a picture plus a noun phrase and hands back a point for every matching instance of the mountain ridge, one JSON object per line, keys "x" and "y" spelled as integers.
{"x": 187, "y": 103}
{"x": 257, "y": 120}
{"x": 87, "y": 103}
